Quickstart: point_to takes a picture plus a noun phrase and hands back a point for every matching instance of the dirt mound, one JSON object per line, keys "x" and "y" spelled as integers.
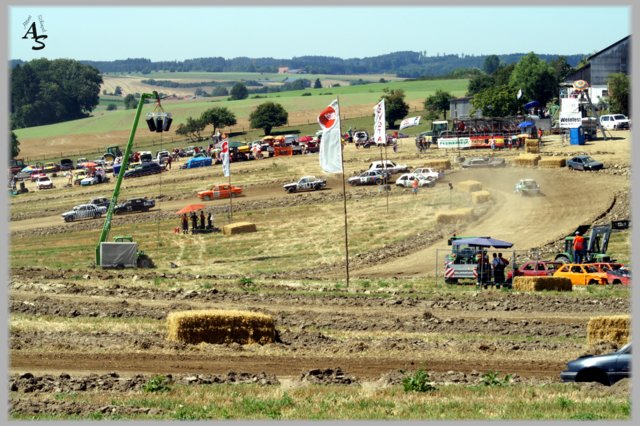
{"x": 328, "y": 377}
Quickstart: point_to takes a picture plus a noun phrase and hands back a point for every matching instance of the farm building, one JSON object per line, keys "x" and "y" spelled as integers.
{"x": 461, "y": 108}
{"x": 610, "y": 60}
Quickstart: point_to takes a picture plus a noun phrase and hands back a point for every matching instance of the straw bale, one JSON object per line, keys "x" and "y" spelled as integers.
{"x": 551, "y": 162}
{"x": 220, "y": 326}
{"x": 239, "y": 228}
{"x": 542, "y": 284}
{"x": 470, "y": 185}
{"x": 438, "y": 164}
{"x": 615, "y": 329}
{"x": 479, "y": 197}
{"x": 527, "y": 160}
{"x": 454, "y": 216}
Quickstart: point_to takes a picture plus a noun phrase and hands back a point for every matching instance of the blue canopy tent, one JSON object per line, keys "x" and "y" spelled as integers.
{"x": 526, "y": 124}
{"x": 483, "y": 242}
{"x": 531, "y": 104}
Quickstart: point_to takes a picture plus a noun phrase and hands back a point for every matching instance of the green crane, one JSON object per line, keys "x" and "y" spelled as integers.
{"x": 144, "y": 261}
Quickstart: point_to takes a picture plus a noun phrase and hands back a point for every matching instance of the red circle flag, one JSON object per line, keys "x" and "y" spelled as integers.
{"x": 327, "y": 117}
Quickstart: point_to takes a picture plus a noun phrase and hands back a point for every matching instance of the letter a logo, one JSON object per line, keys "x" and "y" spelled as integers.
{"x": 34, "y": 35}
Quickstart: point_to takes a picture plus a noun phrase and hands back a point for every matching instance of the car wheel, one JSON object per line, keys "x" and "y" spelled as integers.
{"x": 291, "y": 190}
{"x": 377, "y": 181}
{"x": 593, "y": 282}
{"x": 616, "y": 282}
{"x": 207, "y": 198}
{"x": 67, "y": 219}
{"x": 144, "y": 262}
{"x": 593, "y": 375}
{"x": 451, "y": 281}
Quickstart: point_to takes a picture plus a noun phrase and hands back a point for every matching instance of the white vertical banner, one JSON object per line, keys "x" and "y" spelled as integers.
{"x": 330, "y": 144}
{"x": 379, "y": 130}
{"x": 224, "y": 154}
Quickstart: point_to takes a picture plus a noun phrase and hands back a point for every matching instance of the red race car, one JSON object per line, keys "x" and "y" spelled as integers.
{"x": 220, "y": 191}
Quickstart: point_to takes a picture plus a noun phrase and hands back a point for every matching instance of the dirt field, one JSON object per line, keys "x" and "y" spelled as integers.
{"x": 88, "y": 321}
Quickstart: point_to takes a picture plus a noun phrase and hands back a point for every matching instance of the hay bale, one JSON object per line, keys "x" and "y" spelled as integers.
{"x": 454, "y": 216}
{"x": 527, "y": 160}
{"x": 614, "y": 329}
{"x": 542, "y": 284}
{"x": 239, "y": 228}
{"x": 218, "y": 326}
{"x": 532, "y": 146}
{"x": 470, "y": 186}
{"x": 479, "y": 197}
{"x": 551, "y": 162}
{"x": 438, "y": 164}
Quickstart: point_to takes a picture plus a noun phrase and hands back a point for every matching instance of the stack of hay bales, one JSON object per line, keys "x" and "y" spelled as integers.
{"x": 218, "y": 326}
{"x": 542, "y": 284}
{"x": 239, "y": 228}
{"x": 478, "y": 197}
{"x": 438, "y": 164}
{"x": 527, "y": 160}
{"x": 614, "y": 329}
{"x": 470, "y": 186}
{"x": 551, "y": 162}
{"x": 454, "y": 216}
{"x": 532, "y": 146}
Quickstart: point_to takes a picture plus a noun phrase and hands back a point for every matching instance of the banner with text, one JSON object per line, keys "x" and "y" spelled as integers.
{"x": 379, "y": 129}
{"x": 454, "y": 143}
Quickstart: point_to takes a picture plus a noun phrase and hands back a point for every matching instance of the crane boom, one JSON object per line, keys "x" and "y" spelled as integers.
{"x": 123, "y": 167}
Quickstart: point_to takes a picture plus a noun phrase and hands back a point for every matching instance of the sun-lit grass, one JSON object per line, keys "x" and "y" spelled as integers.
{"x": 332, "y": 402}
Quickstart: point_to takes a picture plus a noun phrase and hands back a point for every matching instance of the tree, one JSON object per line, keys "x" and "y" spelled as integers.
{"x": 239, "y": 91}
{"x": 317, "y": 84}
{"x": 437, "y": 102}
{"x": 561, "y": 68}
{"x": 536, "y": 78}
{"x": 191, "y": 128}
{"x": 46, "y": 92}
{"x": 491, "y": 64}
{"x": 219, "y": 91}
{"x": 118, "y": 91}
{"x": 218, "y": 117}
{"x": 267, "y": 116}
{"x": 479, "y": 83}
{"x": 497, "y": 101}
{"x": 200, "y": 92}
{"x": 130, "y": 101}
{"x": 395, "y": 106}
{"x": 618, "y": 86}
{"x": 15, "y": 146}
{"x": 112, "y": 107}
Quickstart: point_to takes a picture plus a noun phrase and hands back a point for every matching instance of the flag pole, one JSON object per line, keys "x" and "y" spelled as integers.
{"x": 386, "y": 162}
{"x": 230, "y": 193}
{"x": 344, "y": 199}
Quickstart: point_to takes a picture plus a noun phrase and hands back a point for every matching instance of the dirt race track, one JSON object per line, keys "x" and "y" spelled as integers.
{"x": 92, "y": 321}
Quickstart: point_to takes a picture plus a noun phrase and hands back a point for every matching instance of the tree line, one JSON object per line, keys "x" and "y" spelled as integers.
{"x": 405, "y": 64}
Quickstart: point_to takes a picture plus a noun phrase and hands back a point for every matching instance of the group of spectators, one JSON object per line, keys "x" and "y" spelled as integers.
{"x": 195, "y": 226}
{"x": 487, "y": 270}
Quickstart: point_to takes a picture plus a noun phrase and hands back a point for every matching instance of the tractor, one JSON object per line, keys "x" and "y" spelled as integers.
{"x": 597, "y": 241}
{"x": 111, "y": 152}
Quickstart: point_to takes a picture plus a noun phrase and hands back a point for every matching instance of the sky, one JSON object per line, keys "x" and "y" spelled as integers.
{"x": 185, "y": 32}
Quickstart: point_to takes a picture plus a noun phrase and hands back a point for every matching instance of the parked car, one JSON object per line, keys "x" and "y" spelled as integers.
{"x": 161, "y": 156}
{"x": 527, "y": 187}
{"x": 199, "y": 160}
{"x": 66, "y": 164}
{"x": 135, "y": 205}
{"x": 369, "y": 177}
{"x": 100, "y": 202}
{"x": 51, "y": 168}
{"x": 406, "y": 180}
{"x": 389, "y": 166}
{"x": 84, "y": 211}
{"x": 582, "y": 274}
{"x": 44, "y": 182}
{"x": 606, "y": 369}
{"x": 606, "y": 266}
{"x": 619, "y": 276}
{"x": 78, "y": 175}
{"x": 144, "y": 169}
{"x": 306, "y": 183}
{"x": 36, "y": 174}
{"x": 361, "y": 138}
{"x": 93, "y": 180}
{"x": 614, "y": 121}
{"x": 584, "y": 162}
{"x": 534, "y": 268}
{"x": 428, "y": 172}
{"x": 478, "y": 162}
{"x": 217, "y": 192}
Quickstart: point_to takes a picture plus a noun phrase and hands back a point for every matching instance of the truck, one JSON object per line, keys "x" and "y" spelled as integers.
{"x": 461, "y": 262}
{"x": 437, "y": 127}
{"x": 597, "y": 241}
{"x": 17, "y": 165}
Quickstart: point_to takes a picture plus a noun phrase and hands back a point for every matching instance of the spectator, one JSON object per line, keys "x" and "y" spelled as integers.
{"x": 194, "y": 222}
{"x": 201, "y": 219}
{"x": 414, "y": 185}
{"x": 185, "y": 224}
{"x": 210, "y": 221}
{"x": 578, "y": 248}
{"x": 169, "y": 160}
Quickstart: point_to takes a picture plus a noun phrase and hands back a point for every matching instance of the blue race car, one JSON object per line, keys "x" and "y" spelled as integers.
{"x": 200, "y": 160}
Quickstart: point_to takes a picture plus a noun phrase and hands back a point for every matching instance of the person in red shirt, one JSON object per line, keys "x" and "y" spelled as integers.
{"x": 578, "y": 248}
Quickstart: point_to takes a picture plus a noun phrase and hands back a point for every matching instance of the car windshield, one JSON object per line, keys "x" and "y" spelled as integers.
{"x": 587, "y": 159}
{"x": 591, "y": 269}
{"x": 626, "y": 349}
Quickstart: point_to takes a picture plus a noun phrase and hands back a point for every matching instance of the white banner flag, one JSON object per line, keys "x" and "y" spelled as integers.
{"x": 224, "y": 154}
{"x": 519, "y": 94}
{"x": 330, "y": 144}
{"x": 569, "y": 105}
{"x": 409, "y": 122}
{"x": 379, "y": 130}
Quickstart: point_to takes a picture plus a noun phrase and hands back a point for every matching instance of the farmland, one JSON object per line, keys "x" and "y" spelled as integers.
{"x": 87, "y": 343}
